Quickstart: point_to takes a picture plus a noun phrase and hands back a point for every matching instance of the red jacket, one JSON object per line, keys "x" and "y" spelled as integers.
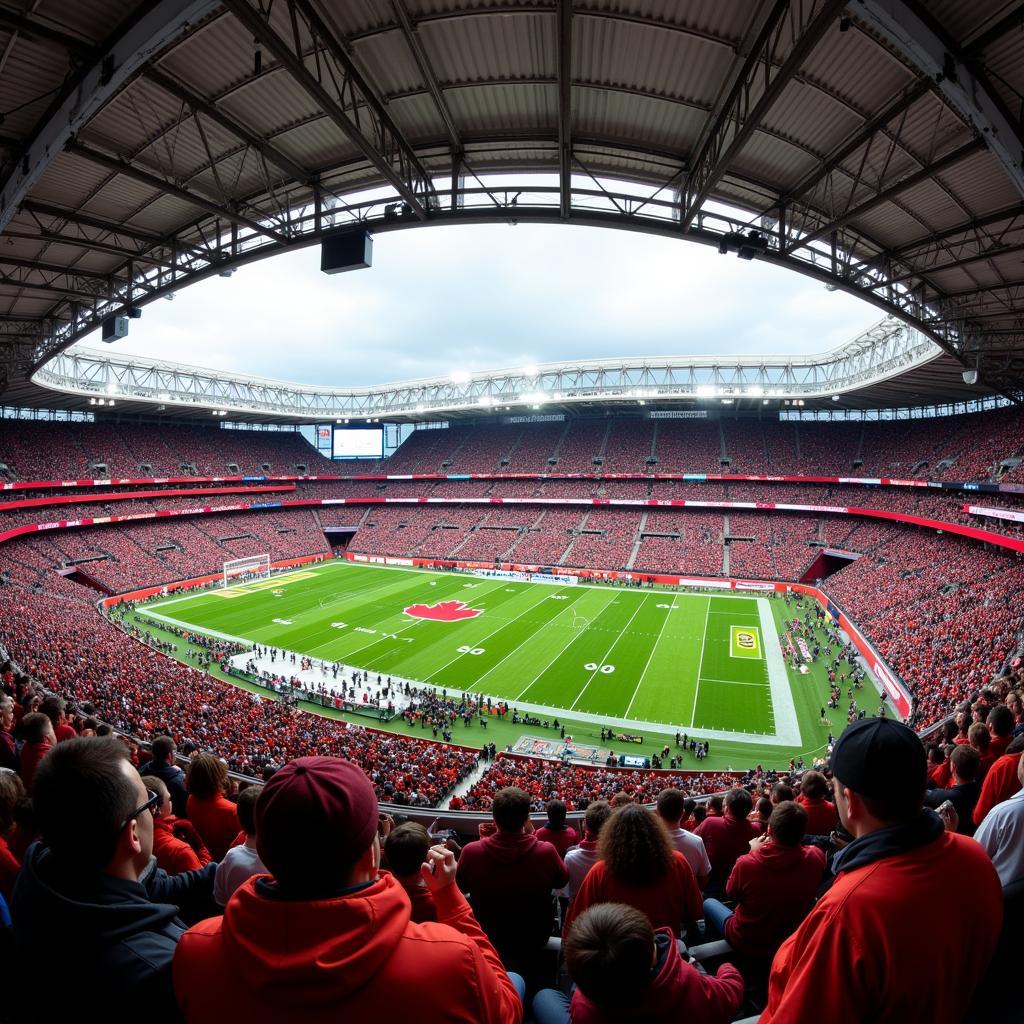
{"x": 509, "y": 878}
{"x": 10, "y": 865}
{"x": 822, "y": 816}
{"x": 216, "y": 821}
{"x": 31, "y": 755}
{"x": 999, "y": 785}
{"x": 562, "y": 839}
{"x": 774, "y": 888}
{"x": 172, "y": 854}
{"x": 348, "y": 958}
{"x": 883, "y": 945}
{"x": 679, "y": 992}
{"x": 670, "y": 902}
{"x": 726, "y": 839}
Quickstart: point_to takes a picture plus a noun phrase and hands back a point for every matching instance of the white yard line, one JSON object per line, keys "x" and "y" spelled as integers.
{"x": 594, "y": 674}
{"x": 567, "y": 646}
{"x": 650, "y": 657}
{"x": 478, "y": 643}
{"x": 700, "y": 662}
{"x": 736, "y": 682}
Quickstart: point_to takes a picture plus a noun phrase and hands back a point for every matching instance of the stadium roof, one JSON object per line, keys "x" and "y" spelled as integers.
{"x": 874, "y": 144}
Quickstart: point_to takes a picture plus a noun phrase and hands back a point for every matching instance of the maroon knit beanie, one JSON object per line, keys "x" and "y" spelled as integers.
{"x": 314, "y": 819}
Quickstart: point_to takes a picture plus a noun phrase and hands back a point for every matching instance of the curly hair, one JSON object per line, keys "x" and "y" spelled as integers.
{"x": 635, "y": 846}
{"x": 207, "y": 776}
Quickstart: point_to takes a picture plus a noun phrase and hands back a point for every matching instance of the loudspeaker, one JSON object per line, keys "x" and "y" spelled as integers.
{"x": 352, "y": 250}
{"x": 114, "y": 327}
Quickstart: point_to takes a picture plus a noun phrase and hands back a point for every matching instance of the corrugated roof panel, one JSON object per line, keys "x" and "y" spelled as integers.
{"x": 503, "y": 46}
{"x": 514, "y": 106}
{"x": 388, "y": 63}
{"x": 316, "y": 144}
{"x": 69, "y": 181}
{"x": 962, "y": 20}
{"x": 218, "y": 55}
{"x": 652, "y": 121}
{"x": 656, "y": 61}
{"x": 32, "y": 73}
{"x": 89, "y": 19}
{"x": 1004, "y": 61}
{"x": 120, "y": 193}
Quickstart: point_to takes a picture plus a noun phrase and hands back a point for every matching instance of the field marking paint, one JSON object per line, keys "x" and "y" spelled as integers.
{"x": 650, "y": 657}
{"x": 745, "y": 643}
{"x": 593, "y": 675}
{"x": 582, "y": 632}
{"x": 737, "y": 682}
{"x": 503, "y": 625}
{"x": 700, "y": 663}
{"x": 518, "y": 647}
{"x": 787, "y": 727}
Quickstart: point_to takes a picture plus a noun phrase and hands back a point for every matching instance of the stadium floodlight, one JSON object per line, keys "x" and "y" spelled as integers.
{"x": 727, "y": 401}
{"x": 484, "y": 400}
{"x": 970, "y": 376}
{"x": 530, "y": 370}
{"x": 461, "y": 377}
{"x": 756, "y": 390}
{"x": 835, "y": 398}
{"x": 706, "y": 391}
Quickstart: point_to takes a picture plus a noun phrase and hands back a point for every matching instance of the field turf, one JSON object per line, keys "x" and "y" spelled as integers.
{"x": 654, "y": 657}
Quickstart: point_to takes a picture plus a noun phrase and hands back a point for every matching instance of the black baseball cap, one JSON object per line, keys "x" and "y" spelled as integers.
{"x": 879, "y": 758}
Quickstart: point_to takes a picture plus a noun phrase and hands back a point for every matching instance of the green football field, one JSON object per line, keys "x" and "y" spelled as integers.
{"x": 661, "y": 659}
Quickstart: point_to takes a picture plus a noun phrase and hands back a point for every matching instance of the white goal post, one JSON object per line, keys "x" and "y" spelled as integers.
{"x": 246, "y": 568}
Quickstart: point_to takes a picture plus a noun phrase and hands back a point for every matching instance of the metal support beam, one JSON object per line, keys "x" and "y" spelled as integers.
{"x": 52, "y": 237}
{"x": 388, "y": 152}
{"x": 867, "y": 131}
{"x": 565, "y": 106}
{"x": 8, "y": 282}
{"x": 160, "y": 185}
{"x": 50, "y": 268}
{"x": 926, "y": 172}
{"x": 29, "y": 27}
{"x": 88, "y": 220}
{"x": 906, "y": 27}
{"x": 270, "y": 153}
{"x": 988, "y": 254}
{"x": 86, "y": 93}
{"x": 977, "y": 224}
{"x": 430, "y": 79}
{"x": 736, "y": 121}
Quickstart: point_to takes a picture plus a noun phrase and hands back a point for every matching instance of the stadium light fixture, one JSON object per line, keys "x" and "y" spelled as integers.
{"x": 706, "y": 391}
{"x": 530, "y": 370}
{"x": 460, "y": 377}
{"x": 727, "y": 401}
{"x": 835, "y": 398}
{"x": 756, "y": 390}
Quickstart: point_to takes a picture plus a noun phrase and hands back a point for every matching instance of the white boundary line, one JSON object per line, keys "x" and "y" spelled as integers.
{"x": 787, "y": 727}
{"x": 700, "y": 663}
{"x": 650, "y": 657}
{"x": 593, "y": 675}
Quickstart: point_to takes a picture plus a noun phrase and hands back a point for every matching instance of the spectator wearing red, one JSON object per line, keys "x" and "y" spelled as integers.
{"x": 939, "y": 768}
{"x": 55, "y": 709}
{"x": 12, "y": 790}
{"x": 209, "y": 809}
{"x": 1001, "y": 782}
{"x": 981, "y": 740}
{"x": 580, "y": 859}
{"x": 639, "y": 867}
{"x": 509, "y": 877}
{"x": 37, "y": 732}
{"x": 172, "y": 854}
{"x": 822, "y": 816}
{"x": 773, "y": 886}
{"x": 556, "y": 832}
{"x": 625, "y": 970}
{"x": 8, "y": 746}
{"x": 1000, "y": 726}
{"x": 405, "y": 852}
{"x": 1001, "y": 835}
{"x": 671, "y": 807}
{"x": 327, "y": 936}
{"x": 727, "y": 838}
{"x": 859, "y": 955}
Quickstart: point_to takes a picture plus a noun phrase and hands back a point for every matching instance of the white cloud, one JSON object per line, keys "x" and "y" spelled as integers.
{"x": 441, "y": 300}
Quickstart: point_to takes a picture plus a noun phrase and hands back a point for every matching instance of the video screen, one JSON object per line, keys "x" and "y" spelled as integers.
{"x": 358, "y": 443}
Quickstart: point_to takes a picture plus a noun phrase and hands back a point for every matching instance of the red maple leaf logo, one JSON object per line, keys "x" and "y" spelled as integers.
{"x": 446, "y": 611}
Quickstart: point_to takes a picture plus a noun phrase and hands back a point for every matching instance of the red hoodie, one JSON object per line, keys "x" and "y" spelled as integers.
{"x": 679, "y": 992}
{"x": 822, "y": 816}
{"x": 1000, "y": 784}
{"x": 774, "y": 888}
{"x": 509, "y": 877}
{"x": 562, "y": 839}
{"x": 347, "y": 958}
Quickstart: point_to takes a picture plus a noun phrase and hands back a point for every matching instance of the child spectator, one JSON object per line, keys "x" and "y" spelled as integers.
{"x": 241, "y": 862}
{"x": 406, "y": 851}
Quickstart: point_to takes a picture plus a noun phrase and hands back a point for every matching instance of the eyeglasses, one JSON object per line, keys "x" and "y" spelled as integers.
{"x": 150, "y": 805}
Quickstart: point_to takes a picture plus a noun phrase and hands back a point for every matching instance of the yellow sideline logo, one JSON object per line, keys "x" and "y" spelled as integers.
{"x": 745, "y": 642}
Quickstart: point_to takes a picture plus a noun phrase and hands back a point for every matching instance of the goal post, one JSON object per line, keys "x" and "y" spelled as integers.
{"x": 246, "y": 568}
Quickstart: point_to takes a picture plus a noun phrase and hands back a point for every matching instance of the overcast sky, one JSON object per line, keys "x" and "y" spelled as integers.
{"x": 443, "y": 299}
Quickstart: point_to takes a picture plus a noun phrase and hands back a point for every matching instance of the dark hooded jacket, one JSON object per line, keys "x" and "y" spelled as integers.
{"x": 108, "y": 935}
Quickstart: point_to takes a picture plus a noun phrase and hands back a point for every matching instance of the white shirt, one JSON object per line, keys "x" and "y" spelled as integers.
{"x": 240, "y": 863}
{"x": 578, "y": 861}
{"x": 692, "y": 849}
{"x": 1001, "y": 835}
